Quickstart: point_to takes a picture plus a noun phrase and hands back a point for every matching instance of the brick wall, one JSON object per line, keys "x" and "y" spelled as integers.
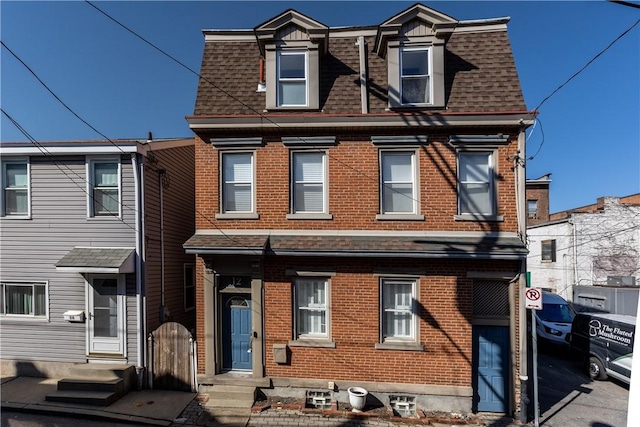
{"x": 445, "y": 316}
{"x": 353, "y": 189}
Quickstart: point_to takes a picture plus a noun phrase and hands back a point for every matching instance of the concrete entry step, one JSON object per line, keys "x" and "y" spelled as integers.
{"x": 88, "y": 384}
{"x": 98, "y": 384}
{"x": 94, "y": 398}
{"x": 229, "y": 396}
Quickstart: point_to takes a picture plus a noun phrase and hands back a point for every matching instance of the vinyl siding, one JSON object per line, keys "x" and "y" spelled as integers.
{"x": 179, "y": 225}
{"x": 31, "y": 248}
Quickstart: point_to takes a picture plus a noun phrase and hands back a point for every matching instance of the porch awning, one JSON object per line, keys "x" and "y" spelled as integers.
{"x": 98, "y": 260}
{"x": 508, "y": 247}
{"x": 475, "y": 247}
{"x": 226, "y": 244}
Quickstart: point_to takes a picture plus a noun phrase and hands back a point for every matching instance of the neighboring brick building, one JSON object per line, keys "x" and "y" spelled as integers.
{"x": 538, "y": 200}
{"x": 357, "y": 221}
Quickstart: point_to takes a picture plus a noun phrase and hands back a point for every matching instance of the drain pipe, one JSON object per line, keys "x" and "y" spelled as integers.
{"x": 163, "y": 310}
{"x": 364, "y": 93}
{"x": 140, "y": 336}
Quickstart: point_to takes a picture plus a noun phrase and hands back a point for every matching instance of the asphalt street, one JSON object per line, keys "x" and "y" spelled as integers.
{"x": 569, "y": 398}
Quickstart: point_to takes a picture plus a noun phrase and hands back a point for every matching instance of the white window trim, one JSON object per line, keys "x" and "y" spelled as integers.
{"x": 25, "y": 317}
{"x": 286, "y": 52}
{"x": 325, "y": 187}
{"x": 237, "y": 214}
{"x": 429, "y": 75}
{"x": 492, "y": 216}
{"x": 414, "y": 214}
{"x": 401, "y": 343}
{"x": 312, "y": 340}
{"x": 90, "y": 170}
{"x": 193, "y": 285}
{"x": 20, "y": 160}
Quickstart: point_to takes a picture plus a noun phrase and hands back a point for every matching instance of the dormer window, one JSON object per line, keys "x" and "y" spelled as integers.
{"x": 413, "y": 43}
{"x": 415, "y": 75}
{"x": 292, "y": 45}
{"x": 292, "y": 78}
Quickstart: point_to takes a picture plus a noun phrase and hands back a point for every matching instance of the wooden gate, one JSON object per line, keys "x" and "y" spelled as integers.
{"x": 172, "y": 352}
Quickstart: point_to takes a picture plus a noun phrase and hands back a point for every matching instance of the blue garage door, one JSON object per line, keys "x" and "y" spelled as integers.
{"x": 236, "y": 332}
{"x": 490, "y": 368}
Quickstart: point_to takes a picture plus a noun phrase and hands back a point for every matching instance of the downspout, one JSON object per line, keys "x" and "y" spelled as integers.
{"x": 364, "y": 92}
{"x": 163, "y": 310}
{"x": 522, "y": 283}
{"x": 140, "y": 325}
{"x": 575, "y": 253}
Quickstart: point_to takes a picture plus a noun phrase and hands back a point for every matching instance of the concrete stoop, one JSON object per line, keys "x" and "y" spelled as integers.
{"x": 228, "y": 405}
{"x": 94, "y": 384}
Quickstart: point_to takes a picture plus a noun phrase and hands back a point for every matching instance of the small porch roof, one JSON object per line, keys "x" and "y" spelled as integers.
{"x": 226, "y": 244}
{"x": 98, "y": 260}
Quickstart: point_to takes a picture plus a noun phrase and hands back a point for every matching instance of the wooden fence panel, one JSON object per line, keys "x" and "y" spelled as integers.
{"x": 172, "y": 357}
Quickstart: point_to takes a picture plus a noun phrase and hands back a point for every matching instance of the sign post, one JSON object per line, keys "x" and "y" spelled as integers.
{"x": 533, "y": 301}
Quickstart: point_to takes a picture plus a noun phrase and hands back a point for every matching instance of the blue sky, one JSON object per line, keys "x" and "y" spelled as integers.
{"x": 124, "y": 88}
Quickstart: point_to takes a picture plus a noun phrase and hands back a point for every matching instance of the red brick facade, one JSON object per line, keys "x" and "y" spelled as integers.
{"x": 451, "y": 255}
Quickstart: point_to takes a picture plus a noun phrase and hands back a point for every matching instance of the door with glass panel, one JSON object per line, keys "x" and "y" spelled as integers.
{"x": 105, "y": 315}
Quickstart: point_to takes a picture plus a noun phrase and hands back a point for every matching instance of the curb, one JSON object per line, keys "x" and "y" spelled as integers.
{"x": 81, "y": 413}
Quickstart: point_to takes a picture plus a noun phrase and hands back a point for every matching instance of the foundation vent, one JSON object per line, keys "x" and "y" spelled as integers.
{"x": 403, "y": 406}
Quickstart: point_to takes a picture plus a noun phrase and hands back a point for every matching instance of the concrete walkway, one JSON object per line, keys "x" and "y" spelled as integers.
{"x": 175, "y": 408}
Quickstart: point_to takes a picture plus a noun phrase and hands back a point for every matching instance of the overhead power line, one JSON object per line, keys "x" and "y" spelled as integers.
{"x": 574, "y": 75}
{"x": 58, "y": 98}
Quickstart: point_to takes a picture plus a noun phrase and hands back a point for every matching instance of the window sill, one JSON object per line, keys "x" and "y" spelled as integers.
{"x": 402, "y": 346}
{"x": 307, "y": 216}
{"x": 479, "y": 218}
{"x": 237, "y": 216}
{"x": 12, "y": 217}
{"x": 399, "y": 217}
{"x": 8, "y": 319}
{"x": 312, "y": 343}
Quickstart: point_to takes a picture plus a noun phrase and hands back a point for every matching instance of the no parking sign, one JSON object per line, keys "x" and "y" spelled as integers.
{"x": 533, "y": 298}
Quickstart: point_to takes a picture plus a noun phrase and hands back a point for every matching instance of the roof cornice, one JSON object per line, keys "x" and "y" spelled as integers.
{"x": 419, "y": 119}
{"x": 90, "y": 147}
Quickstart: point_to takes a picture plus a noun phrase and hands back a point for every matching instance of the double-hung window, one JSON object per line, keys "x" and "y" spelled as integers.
{"x": 548, "y": 250}
{"x": 189, "y": 286}
{"x": 292, "y": 78}
{"x": 312, "y": 308}
{"x": 23, "y": 299}
{"x": 532, "y": 209}
{"x": 398, "y": 176}
{"x": 15, "y": 189}
{"x": 415, "y": 75}
{"x": 237, "y": 182}
{"x": 476, "y": 183}
{"x": 399, "y": 319}
{"x": 309, "y": 182}
{"x": 105, "y": 188}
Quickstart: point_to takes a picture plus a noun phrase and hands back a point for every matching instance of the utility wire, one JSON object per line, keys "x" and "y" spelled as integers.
{"x": 58, "y": 98}
{"x": 47, "y": 153}
{"x": 574, "y": 75}
{"x": 259, "y": 113}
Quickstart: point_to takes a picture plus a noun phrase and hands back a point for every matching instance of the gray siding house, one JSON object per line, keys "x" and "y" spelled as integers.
{"x": 91, "y": 254}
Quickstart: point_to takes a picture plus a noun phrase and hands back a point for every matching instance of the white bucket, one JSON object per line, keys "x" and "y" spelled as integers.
{"x": 357, "y": 398}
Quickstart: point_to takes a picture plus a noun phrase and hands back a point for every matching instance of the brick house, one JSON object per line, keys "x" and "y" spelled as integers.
{"x": 357, "y": 223}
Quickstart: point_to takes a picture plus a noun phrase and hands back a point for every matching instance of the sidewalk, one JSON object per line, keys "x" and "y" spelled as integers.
{"x": 176, "y": 408}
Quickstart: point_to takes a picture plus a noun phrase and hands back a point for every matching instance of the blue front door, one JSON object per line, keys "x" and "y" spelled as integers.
{"x": 236, "y": 332}
{"x": 490, "y": 368}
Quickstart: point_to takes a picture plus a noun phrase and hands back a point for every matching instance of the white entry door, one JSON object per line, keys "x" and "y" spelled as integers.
{"x": 105, "y": 315}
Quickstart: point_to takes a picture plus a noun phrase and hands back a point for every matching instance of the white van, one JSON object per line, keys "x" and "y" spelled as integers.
{"x": 553, "y": 322}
